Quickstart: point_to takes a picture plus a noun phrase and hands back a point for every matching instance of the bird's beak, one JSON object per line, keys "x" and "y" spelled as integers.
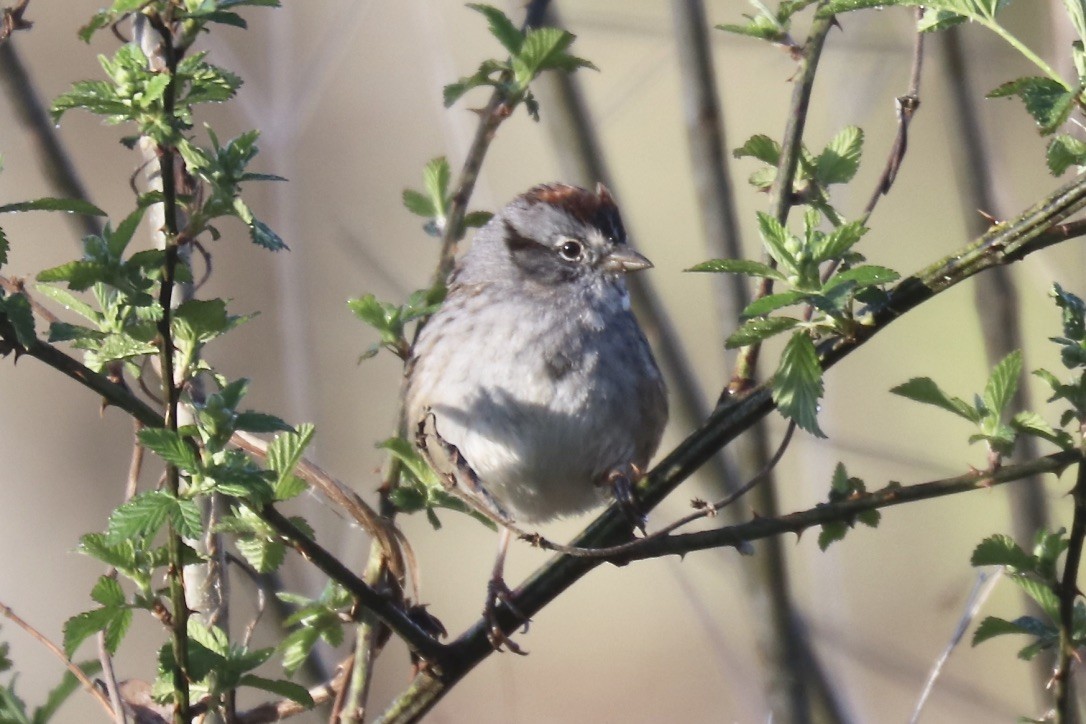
{"x": 623, "y": 260}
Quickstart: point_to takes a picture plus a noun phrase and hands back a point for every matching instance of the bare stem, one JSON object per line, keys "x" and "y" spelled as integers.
{"x": 1069, "y": 594}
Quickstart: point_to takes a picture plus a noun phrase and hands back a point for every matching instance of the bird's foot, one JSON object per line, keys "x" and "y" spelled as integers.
{"x": 498, "y": 593}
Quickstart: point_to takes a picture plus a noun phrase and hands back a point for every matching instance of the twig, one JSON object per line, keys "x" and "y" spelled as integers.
{"x": 781, "y": 200}
{"x": 88, "y": 685}
{"x": 491, "y": 116}
{"x": 1069, "y": 593}
{"x": 906, "y": 107}
{"x": 982, "y": 589}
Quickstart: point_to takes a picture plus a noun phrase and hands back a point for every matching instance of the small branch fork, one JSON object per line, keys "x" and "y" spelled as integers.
{"x": 13, "y": 20}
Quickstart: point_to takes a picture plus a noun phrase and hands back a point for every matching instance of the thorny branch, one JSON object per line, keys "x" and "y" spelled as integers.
{"x": 13, "y": 20}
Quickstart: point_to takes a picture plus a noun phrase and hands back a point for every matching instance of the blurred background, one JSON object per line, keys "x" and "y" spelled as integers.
{"x": 347, "y": 95}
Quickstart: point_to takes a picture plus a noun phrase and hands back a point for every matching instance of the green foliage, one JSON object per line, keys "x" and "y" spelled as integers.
{"x": 530, "y": 53}
{"x": 988, "y": 411}
{"x": 13, "y": 710}
{"x": 216, "y": 667}
{"x": 766, "y": 24}
{"x": 1036, "y": 574}
{"x": 433, "y": 203}
{"x": 797, "y": 262}
{"x": 420, "y": 488}
{"x": 842, "y": 488}
{"x": 1048, "y": 98}
{"x": 113, "y": 617}
{"x": 284, "y": 454}
{"x": 316, "y": 619}
{"x": 1072, "y": 344}
{"x": 391, "y": 320}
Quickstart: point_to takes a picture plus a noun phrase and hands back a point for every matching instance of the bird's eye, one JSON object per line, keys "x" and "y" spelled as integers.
{"x": 570, "y": 250}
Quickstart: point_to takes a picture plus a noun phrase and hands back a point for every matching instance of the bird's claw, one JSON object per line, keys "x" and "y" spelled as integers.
{"x": 497, "y": 593}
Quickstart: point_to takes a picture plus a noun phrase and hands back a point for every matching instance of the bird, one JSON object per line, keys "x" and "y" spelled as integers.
{"x": 534, "y": 371}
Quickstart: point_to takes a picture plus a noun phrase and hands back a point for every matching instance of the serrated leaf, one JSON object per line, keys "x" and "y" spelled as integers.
{"x": 114, "y": 621}
{"x": 771, "y": 303}
{"x": 262, "y": 235}
{"x": 435, "y": 180}
{"x": 1041, "y": 593}
{"x": 284, "y": 453}
{"x": 200, "y": 320}
{"x": 501, "y": 27}
{"x": 759, "y": 329}
{"x": 738, "y": 266}
{"x": 121, "y": 554}
{"x": 777, "y": 240}
{"x": 67, "y": 300}
{"x": 840, "y": 159}
{"x": 146, "y": 513}
{"x": 992, "y": 626}
{"x": 797, "y": 384}
{"x": 1046, "y": 100}
{"x": 263, "y": 555}
{"x": 20, "y": 316}
{"x": 72, "y": 206}
{"x": 250, "y": 421}
{"x": 1001, "y": 550}
{"x": 1003, "y": 383}
{"x": 1063, "y": 152}
{"x": 838, "y": 242}
{"x": 863, "y": 276}
{"x": 170, "y": 446}
{"x": 924, "y": 389}
{"x": 296, "y": 647}
{"x": 418, "y": 204}
{"x": 406, "y": 453}
{"x": 477, "y": 219}
{"x": 761, "y": 147}
{"x": 831, "y": 533}
{"x": 1033, "y": 424}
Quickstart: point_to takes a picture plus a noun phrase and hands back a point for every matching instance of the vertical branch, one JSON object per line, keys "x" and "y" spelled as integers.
{"x": 781, "y": 200}
{"x": 164, "y": 56}
{"x": 1065, "y": 711}
{"x": 995, "y": 294}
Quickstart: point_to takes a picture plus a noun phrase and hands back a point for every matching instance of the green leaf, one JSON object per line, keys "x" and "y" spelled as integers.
{"x": 544, "y": 49}
{"x": 863, "y": 276}
{"x": 113, "y": 620}
{"x": 924, "y": 389}
{"x": 250, "y": 421}
{"x": 419, "y": 204}
{"x": 759, "y": 329}
{"x": 1001, "y": 550}
{"x": 761, "y": 147}
{"x": 839, "y": 241}
{"x": 21, "y": 318}
{"x": 284, "y": 453}
{"x": 738, "y": 266}
{"x": 170, "y": 446}
{"x": 1063, "y": 152}
{"x": 1042, "y": 593}
{"x": 72, "y": 206}
{"x": 406, "y": 453}
{"x": 840, "y": 159}
{"x": 69, "y": 301}
{"x": 1076, "y": 11}
{"x": 279, "y": 687}
{"x": 435, "y": 179}
{"x": 777, "y": 240}
{"x": 146, "y": 513}
{"x": 201, "y": 320}
{"x": 1033, "y": 424}
{"x": 1003, "y": 383}
{"x": 501, "y": 27}
{"x": 5, "y": 247}
{"x": 991, "y": 627}
{"x": 262, "y": 235}
{"x": 831, "y": 532}
{"x": 263, "y": 554}
{"x": 1047, "y": 100}
{"x": 797, "y": 385}
{"x": 771, "y": 303}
